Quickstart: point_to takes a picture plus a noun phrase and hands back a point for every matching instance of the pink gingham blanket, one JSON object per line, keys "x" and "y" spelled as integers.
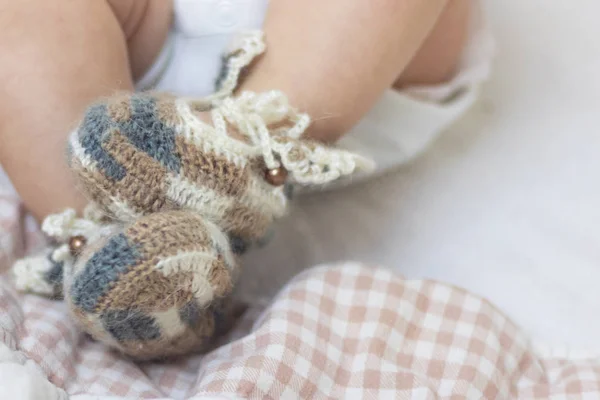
{"x": 342, "y": 331}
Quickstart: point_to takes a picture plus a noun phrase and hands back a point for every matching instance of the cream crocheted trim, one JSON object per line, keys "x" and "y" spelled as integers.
{"x": 254, "y": 115}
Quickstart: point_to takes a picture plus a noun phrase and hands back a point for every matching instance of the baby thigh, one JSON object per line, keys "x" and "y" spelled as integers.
{"x": 55, "y": 58}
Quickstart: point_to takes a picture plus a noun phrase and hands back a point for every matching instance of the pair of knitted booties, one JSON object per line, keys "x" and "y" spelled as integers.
{"x": 150, "y": 267}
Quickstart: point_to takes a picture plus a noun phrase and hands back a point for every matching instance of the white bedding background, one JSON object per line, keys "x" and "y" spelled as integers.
{"x": 506, "y": 203}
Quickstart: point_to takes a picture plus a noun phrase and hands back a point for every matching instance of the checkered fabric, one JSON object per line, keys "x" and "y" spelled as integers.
{"x": 343, "y": 331}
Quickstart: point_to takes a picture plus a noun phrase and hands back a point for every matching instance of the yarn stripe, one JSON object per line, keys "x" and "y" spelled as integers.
{"x": 199, "y": 265}
{"x": 101, "y": 270}
{"x": 92, "y": 133}
{"x": 75, "y": 150}
{"x": 202, "y": 199}
{"x": 148, "y": 133}
{"x": 122, "y": 210}
{"x": 147, "y": 289}
{"x": 130, "y": 325}
{"x": 140, "y": 168}
{"x": 211, "y": 170}
{"x": 169, "y": 322}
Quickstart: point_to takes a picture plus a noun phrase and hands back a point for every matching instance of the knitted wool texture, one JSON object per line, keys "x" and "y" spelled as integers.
{"x": 174, "y": 203}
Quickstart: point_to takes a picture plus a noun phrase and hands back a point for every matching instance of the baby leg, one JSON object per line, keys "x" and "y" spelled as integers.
{"x": 334, "y": 59}
{"x": 56, "y": 57}
{"x": 437, "y": 59}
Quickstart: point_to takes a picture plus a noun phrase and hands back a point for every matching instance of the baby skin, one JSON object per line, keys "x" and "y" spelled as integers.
{"x": 58, "y": 57}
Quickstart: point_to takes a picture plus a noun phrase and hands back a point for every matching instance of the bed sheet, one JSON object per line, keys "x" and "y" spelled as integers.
{"x": 334, "y": 332}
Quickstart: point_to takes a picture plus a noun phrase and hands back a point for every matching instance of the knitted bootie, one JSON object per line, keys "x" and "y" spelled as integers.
{"x": 175, "y": 202}
{"x": 159, "y": 286}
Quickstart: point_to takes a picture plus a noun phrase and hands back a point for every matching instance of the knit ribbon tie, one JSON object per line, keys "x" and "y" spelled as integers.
{"x": 275, "y": 128}
{"x": 30, "y": 273}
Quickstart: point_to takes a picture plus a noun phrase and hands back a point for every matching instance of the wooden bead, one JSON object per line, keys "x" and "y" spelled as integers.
{"x": 76, "y": 244}
{"x": 276, "y": 176}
